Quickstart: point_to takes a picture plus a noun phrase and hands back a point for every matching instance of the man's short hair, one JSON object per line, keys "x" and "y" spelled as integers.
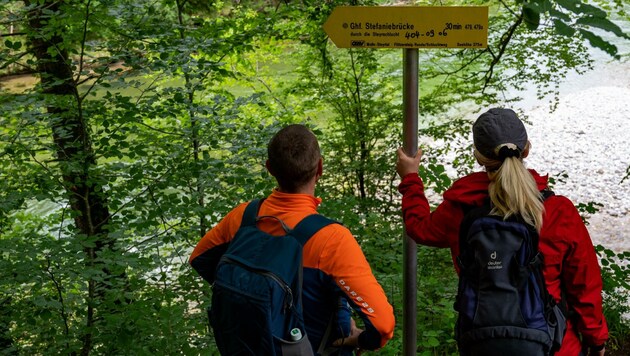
{"x": 293, "y": 155}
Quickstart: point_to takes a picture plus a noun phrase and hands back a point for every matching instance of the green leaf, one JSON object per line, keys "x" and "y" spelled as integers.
{"x": 559, "y": 14}
{"x": 433, "y": 342}
{"x": 562, "y": 28}
{"x": 602, "y": 23}
{"x": 13, "y": 45}
{"x": 600, "y": 43}
{"x": 531, "y": 16}
{"x": 540, "y": 6}
{"x": 579, "y": 7}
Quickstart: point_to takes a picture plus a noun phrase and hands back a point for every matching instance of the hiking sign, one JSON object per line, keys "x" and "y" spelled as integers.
{"x": 408, "y": 26}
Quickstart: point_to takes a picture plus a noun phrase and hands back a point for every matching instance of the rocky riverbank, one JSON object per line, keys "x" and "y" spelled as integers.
{"x": 587, "y": 138}
{"x": 584, "y": 145}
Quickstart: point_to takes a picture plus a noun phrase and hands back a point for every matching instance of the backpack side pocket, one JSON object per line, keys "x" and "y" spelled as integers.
{"x": 301, "y": 347}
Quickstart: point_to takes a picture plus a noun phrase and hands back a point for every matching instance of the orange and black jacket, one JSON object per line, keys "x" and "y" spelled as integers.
{"x": 333, "y": 261}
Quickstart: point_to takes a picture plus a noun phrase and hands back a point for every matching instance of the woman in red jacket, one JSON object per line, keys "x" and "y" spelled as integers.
{"x": 570, "y": 261}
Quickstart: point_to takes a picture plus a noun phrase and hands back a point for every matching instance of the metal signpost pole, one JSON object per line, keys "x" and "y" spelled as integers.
{"x": 410, "y": 28}
{"x": 410, "y": 249}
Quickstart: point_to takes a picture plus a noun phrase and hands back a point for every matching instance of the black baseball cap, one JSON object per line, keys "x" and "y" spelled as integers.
{"x": 496, "y": 127}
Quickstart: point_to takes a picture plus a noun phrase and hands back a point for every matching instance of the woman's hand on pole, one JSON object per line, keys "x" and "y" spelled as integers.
{"x": 406, "y": 164}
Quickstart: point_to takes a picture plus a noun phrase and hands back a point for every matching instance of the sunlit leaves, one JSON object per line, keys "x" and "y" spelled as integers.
{"x": 569, "y": 16}
{"x": 180, "y": 103}
{"x": 598, "y": 42}
{"x": 563, "y": 29}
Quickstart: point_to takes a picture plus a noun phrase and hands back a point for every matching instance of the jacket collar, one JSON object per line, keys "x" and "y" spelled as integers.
{"x": 473, "y": 188}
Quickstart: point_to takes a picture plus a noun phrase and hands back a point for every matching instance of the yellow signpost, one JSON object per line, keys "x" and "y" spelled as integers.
{"x": 408, "y": 26}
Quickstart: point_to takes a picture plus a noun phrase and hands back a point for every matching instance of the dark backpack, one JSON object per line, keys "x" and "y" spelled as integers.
{"x": 503, "y": 305}
{"x": 257, "y": 294}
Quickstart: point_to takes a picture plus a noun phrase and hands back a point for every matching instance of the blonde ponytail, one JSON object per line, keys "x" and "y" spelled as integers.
{"x": 512, "y": 189}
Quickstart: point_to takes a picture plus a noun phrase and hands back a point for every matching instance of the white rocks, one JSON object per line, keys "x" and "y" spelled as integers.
{"x": 588, "y": 138}
{"x": 584, "y": 144}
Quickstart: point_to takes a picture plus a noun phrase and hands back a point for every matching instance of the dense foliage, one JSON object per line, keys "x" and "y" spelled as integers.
{"x": 148, "y": 121}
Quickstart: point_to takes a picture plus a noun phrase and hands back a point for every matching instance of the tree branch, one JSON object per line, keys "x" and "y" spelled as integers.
{"x": 15, "y": 61}
{"x": 12, "y": 34}
{"x": 505, "y": 40}
{"x": 59, "y": 290}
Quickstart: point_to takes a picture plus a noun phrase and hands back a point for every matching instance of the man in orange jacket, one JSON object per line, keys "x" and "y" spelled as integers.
{"x": 334, "y": 264}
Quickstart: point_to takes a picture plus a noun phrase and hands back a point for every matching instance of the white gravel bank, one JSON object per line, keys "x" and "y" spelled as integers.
{"x": 588, "y": 138}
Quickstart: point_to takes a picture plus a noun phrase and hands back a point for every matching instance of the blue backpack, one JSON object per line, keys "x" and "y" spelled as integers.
{"x": 257, "y": 294}
{"x": 503, "y": 305}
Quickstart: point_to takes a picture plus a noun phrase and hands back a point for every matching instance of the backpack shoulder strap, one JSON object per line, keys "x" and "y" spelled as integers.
{"x": 250, "y": 213}
{"x": 472, "y": 212}
{"x": 306, "y": 228}
{"x": 546, "y": 193}
{"x": 302, "y": 232}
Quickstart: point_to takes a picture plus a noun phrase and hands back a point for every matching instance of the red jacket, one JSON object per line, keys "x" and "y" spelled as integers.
{"x": 570, "y": 259}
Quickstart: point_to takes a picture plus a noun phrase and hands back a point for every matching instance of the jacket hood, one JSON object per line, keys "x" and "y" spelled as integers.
{"x": 473, "y": 188}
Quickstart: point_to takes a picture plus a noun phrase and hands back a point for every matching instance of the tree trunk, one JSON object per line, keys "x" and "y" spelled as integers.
{"x": 73, "y": 146}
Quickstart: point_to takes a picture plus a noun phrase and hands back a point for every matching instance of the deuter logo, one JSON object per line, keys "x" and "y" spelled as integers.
{"x": 357, "y": 43}
{"x": 493, "y": 263}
